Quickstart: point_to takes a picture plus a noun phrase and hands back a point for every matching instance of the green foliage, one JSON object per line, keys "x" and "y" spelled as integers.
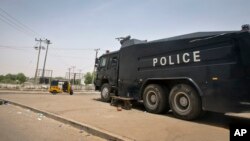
{"x": 1, "y": 77}
{"x": 21, "y": 77}
{"x": 13, "y": 78}
{"x": 10, "y": 77}
{"x": 77, "y": 82}
{"x": 58, "y": 78}
{"x": 88, "y": 78}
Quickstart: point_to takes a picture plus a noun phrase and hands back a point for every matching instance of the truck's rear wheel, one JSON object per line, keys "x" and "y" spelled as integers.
{"x": 105, "y": 92}
{"x": 185, "y": 102}
{"x": 155, "y": 99}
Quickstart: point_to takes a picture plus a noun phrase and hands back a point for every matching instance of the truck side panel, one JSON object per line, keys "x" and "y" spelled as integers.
{"x": 213, "y": 64}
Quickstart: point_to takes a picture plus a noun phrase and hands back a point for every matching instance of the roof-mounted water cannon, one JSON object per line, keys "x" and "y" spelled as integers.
{"x": 123, "y": 39}
{"x": 245, "y": 27}
{"x": 127, "y": 41}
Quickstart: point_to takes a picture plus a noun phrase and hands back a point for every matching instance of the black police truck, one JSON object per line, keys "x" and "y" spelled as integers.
{"x": 189, "y": 74}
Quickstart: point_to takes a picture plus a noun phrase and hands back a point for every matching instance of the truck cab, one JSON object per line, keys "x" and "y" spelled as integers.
{"x": 106, "y": 79}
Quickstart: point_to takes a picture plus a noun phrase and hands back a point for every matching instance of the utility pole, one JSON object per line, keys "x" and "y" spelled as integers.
{"x": 39, "y": 50}
{"x": 73, "y": 67}
{"x": 96, "y": 53}
{"x": 80, "y": 76}
{"x": 47, "y": 42}
{"x": 69, "y": 74}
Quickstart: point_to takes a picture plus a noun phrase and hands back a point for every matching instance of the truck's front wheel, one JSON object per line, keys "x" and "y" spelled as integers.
{"x": 105, "y": 92}
{"x": 155, "y": 99}
{"x": 185, "y": 102}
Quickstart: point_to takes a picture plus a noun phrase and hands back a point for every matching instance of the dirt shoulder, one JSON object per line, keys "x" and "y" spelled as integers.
{"x": 136, "y": 123}
{"x": 24, "y": 125}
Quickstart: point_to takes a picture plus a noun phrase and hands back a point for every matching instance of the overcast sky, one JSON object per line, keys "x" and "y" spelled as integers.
{"x": 77, "y": 27}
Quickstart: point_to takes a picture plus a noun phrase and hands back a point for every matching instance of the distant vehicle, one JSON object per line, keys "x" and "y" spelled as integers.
{"x": 59, "y": 86}
{"x": 203, "y": 71}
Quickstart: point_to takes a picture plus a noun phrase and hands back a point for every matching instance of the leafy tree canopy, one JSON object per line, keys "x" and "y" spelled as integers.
{"x": 13, "y": 78}
{"x": 88, "y": 78}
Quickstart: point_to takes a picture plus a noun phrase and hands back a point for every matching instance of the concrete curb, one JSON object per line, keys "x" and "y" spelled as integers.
{"x": 42, "y": 92}
{"x": 87, "y": 128}
{"x": 22, "y": 92}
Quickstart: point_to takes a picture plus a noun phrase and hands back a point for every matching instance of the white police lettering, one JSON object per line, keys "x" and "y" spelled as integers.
{"x": 170, "y": 63}
{"x": 177, "y": 59}
{"x": 196, "y": 55}
{"x": 184, "y": 57}
{"x": 155, "y": 60}
{"x": 163, "y": 61}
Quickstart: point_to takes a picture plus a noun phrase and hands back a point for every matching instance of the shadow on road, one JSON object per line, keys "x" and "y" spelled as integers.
{"x": 98, "y": 99}
{"x": 209, "y": 118}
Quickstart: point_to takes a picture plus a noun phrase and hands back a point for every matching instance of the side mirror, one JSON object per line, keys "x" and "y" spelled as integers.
{"x": 96, "y": 62}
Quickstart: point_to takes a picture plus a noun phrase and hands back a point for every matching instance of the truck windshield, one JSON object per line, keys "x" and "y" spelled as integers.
{"x": 103, "y": 62}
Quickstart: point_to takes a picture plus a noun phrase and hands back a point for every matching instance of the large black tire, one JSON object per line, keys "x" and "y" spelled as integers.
{"x": 155, "y": 99}
{"x": 185, "y": 102}
{"x": 105, "y": 92}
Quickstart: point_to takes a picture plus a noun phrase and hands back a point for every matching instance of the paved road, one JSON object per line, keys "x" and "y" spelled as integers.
{"x": 136, "y": 123}
{"x": 18, "y": 124}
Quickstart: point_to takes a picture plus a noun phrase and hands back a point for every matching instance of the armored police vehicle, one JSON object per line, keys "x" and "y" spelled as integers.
{"x": 189, "y": 74}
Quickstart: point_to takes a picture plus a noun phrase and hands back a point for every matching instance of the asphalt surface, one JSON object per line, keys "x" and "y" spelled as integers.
{"x": 136, "y": 123}
{"x": 18, "y": 124}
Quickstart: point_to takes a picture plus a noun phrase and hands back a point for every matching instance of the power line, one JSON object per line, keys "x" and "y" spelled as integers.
{"x": 15, "y": 19}
{"x": 54, "y": 55}
{"x": 12, "y": 25}
{"x": 3, "y": 46}
{"x": 15, "y": 23}
{"x": 55, "y": 48}
{"x": 66, "y": 56}
{"x": 8, "y": 47}
{"x": 74, "y": 49}
{"x": 17, "y": 49}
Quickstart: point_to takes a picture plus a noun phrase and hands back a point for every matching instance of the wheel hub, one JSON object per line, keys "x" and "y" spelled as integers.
{"x": 105, "y": 92}
{"x": 183, "y": 101}
{"x": 153, "y": 98}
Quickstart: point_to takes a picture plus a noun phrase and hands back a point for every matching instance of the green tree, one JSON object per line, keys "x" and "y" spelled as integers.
{"x": 88, "y": 78}
{"x": 58, "y": 78}
{"x": 8, "y": 81}
{"x": 13, "y": 78}
{"x": 1, "y": 78}
{"x": 21, "y": 77}
{"x": 10, "y": 77}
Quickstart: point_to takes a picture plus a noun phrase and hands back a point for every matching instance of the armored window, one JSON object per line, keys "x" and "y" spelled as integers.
{"x": 103, "y": 62}
{"x": 112, "y": 62}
